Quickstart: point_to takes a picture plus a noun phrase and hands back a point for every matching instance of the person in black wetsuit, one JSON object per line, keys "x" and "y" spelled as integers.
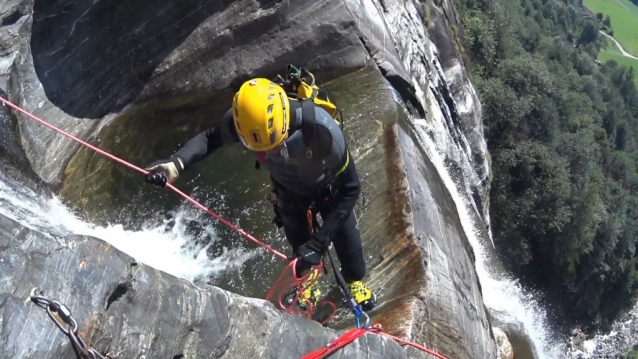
{"x": 266, "y": 121}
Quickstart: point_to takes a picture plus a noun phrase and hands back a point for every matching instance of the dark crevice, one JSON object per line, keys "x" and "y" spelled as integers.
{"x": 117, "y": 293}
{"x": 178, "y": 356}
{"x": 222, "y": 346}
{"x": 268, "y": 4}
{"x": 11, "y": 18}
{"x": 402, "y": 85}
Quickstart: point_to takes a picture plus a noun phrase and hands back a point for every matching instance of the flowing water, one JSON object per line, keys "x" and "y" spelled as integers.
{"x": 503, "y": 296}
{"x": 519, "y": 309}
{"x": 168, "y": 247}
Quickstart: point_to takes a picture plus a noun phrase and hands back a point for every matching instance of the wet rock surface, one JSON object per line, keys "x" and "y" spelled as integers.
{"x": 505, "y": 350}
{"x": 14, "y": 164}
{"x": 460, "y": 96}
{"x": 9, "y": 142}
{"x": 450, "y": 295}
{"x": 81, "y": 64}
{"x": 134, "y": 310}
{"x": 171, "y": 74}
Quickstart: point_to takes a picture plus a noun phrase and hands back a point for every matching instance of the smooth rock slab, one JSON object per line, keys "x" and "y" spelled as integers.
{"x": 139, "y": 312}
{"x": 79, "y": 64}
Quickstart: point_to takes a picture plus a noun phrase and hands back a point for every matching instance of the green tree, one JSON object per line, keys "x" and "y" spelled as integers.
{"x": 480, "y": 39}
{"x": 562, "y": 134}
{"x": 530, "y": 193}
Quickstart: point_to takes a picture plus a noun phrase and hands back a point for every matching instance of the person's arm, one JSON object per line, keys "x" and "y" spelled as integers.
{"x": 196, "y": 149}
{"x": 206, "y": 142}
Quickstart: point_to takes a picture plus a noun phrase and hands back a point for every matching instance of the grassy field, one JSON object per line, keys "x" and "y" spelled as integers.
{"x": 624, "y": 20}
{"x": 611, "y": 52}
{"x": 611, "y": 47}
{"x": 604, "y": 56}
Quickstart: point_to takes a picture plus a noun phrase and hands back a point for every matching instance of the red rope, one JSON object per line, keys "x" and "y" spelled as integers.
{"x": 142, "y": 171}
{"x": 285, "y": 286}
{"x": 347, "y": 338}
{"x": 354, "y": 334}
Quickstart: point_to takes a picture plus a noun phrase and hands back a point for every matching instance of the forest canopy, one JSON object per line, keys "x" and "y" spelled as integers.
{"x": 561, "y": 131}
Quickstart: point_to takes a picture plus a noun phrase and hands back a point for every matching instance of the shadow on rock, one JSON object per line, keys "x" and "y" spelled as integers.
{"x": 91, "y": 64}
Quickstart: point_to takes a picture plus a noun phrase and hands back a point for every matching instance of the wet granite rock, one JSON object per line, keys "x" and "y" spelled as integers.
{"x": 136, "y": 311}
{"x": 80, "y": 63}
{"x": 174, "y": 61}
{"x": 505, "y": 350}
{"x": 14, "y": 164}
{"x": 444, "y": 32}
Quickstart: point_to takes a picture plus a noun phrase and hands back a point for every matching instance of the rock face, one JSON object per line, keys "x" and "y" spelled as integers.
{"x": 15, "y": 166}
{"x": 505, "y": 350}
{"x": 170, "y": 74}
{"x": 136, "y": 311}
{"x": 77, "y": 76}
{"x": 9, "y": 142}
{"x": 465, "y": 118}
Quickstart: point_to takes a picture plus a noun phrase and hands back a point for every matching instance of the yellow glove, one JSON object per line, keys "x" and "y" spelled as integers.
{"x": 164, "y": 171}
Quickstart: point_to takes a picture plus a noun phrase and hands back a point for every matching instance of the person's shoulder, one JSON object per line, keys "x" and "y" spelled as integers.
{"x": 327, "y": 129}
{"x": 323, "y": 119}
{"x": 227, "y": 127}
{"x": 228, "y": 115}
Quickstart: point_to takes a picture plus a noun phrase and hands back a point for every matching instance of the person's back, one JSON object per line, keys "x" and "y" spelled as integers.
{"x": 300, "y": 171}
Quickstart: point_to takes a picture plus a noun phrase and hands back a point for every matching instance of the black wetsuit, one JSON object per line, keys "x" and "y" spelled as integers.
{"x": 330, "y": 181}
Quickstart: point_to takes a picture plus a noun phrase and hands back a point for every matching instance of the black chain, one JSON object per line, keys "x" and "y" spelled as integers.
{"x": 68, "y": 326}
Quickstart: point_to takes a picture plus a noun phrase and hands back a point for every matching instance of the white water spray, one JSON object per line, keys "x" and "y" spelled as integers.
{"x": 503, "y": 296}
{"x": 166, "y": 248}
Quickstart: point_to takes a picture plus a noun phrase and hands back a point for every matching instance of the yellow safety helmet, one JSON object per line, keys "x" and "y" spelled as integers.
{"x": 261, "y": 114}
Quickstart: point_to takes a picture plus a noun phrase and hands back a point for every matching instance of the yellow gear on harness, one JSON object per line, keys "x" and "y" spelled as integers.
{"x": 302, "y": 83}
{"x": 345, "y": 165}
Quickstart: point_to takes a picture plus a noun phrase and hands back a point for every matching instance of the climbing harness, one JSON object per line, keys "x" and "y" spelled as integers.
{"x": 288, "y": 289}
{"x": 85, "y": 352}
{"x": 299, "y": 85}
{"x": 291, "y": 288}
{"x": 61, "y": 316}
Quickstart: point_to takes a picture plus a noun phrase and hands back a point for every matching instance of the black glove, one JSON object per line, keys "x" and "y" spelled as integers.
{"x": 312, "y": 252}
{"x": 278, "y": 221}
{"x": 163, "y": 171}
